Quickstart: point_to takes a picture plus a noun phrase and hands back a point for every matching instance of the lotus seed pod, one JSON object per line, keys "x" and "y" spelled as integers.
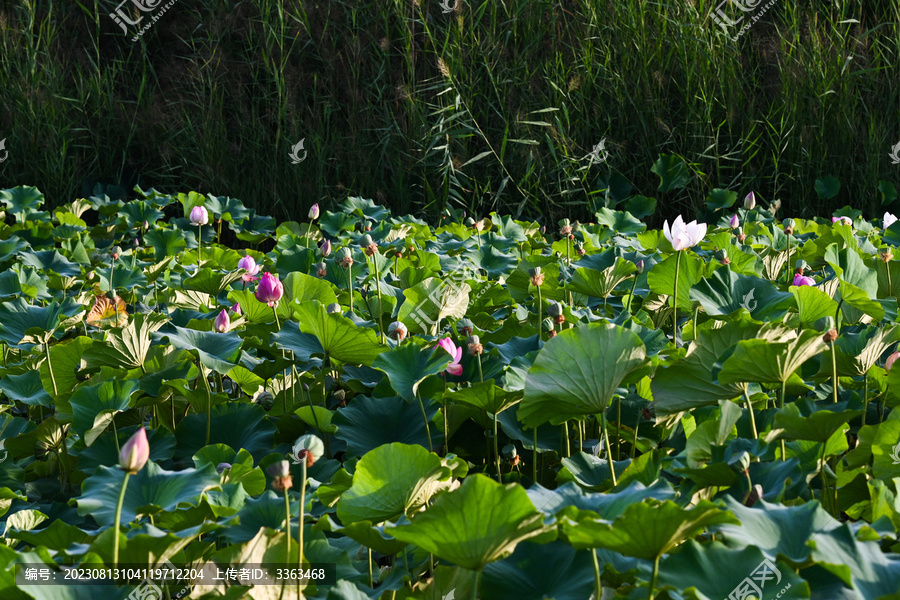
{"x": 222, "y": 467}
{"x": 547, "y": 324}
{"x": 473, "y": 343}
{"x": 365, "y": 240}
{"x": 887, "y": 256}
{"x": 334, "y": 307}
{"x": 397, "y": 331}
{"x": 321, "y": 269}
{"x": 830, "y": 336}
{"x": 509, "y": 451}
{"x": 465, "y": 327}
{"x": 555, "y": 309}
{"x": 264, "y": 399}
{"x": 801, "y": 265}
{"x": 344, "y": 257}
{"x": 470, "y": 222}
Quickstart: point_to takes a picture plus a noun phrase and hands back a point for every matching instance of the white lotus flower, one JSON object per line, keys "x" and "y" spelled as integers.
{"x": 684, "y": 235}
{"x": 888, "y": 220}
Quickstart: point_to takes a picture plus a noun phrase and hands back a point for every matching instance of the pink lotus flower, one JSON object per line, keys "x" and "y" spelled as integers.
{"x": 135, "y": 453}
{"x": 843, "y": 220}
{"x": 803, "y": 280}
{"x": 314, "y": 211}
{"x": 248, "y": 264}
{"x": 199, "y": 216}
{"x": 891, "y": 360}
{"x": 454, "y": 368}
{"x": 270, "y": 290}
{"x": 734, "y": 222}
{"x": 223, "y": 322}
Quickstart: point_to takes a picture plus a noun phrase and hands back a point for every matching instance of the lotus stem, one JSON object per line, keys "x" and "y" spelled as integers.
{"x": 631, "y": 295}
{"x": 834, "y": 375}
{"x": 654, "y": 577}
{"x": 539, "y": 306}
{"x": 752, "y": 416}
{"x": 480, "y": 372}
{"x": 199, "y": 245}
{"x": 300, "y": 523}
{"x": 371, "y": 578}
{"x": 497, "y": 451}
{"x": 373, "y": 267}
{"x": 612, "y": 465}
{"x": 618, "y": 427}
{"x": 425, "y": 420}
{"x": 598, "y": 587}
{"x": 50, "y": 369}
{"x": 565, "y": 431}
{"x": 350, "y": 283}
{"x": 119, "y": 520}
{"x": 277, "y": 320}
{"x": 477, "y": 584}
{"x": 637, "y": 426}
{"x": 287, "y": 524}
{"x": 865, "y": 397}
{"x": 787, "y": 265}
{"x": 534, "y": 455}
{"x": 675, "y": 299}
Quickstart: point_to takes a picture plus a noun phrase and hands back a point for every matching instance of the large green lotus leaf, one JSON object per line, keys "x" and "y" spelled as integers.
{"x": 539, "y": 571}
{"x": 341, "y": 339}
{"x": 619, "y": 221}
{"x": 813, "y": 304}
{"x": 407, "y": 366}
{"x": 713, "y": 572}
{"x": 166, "y": 242}
{"x": 803, "y": 420}
{"x": 689, "y": 382}
{"x": 50, "y": 261}
{"x": 725, "y": 291}
{"x": 123, "y": 278}
{"x": 211, "y": 281}
{"x": 230, "y": 499}
{"x": 126, "y": 347}
{"x": 860, "y": 564}
{"x": 661, "y": 278}
{"x": 265, "y": 511}
{"x": 577, "y": 372}
{"x": 23, "y": 323}
{"x": 518, "y": 283}
{"x": 432, "y": 300}
{"x": 65, "y": 358}
{"x": 94, "y": 407}
{"x": 58, "y": 536}
{"x": 11, "y": 248}
{"x": 255, "y": 311}
{"x": 850, "y": 268}
{"x": 26, "y": 388}
{"x": 228, "y": 209}
{"x": 22, "y": 200}
{"x": 390, "y": 481}
{"x": 303, "y": 345}
{"x": 480, "y": 522}
{"x": 645, "y": 530}
{"x": 105, "y": 450}
{"x": 485, "y": 396}
{"x": 773, "y": 357}
{"x": 9, "y": 285}
{"x": 607, "y": 505}
{"x": 300, "y": 288}
{"x": 239, "y": 425}
{"x": 857, "y": 302}
{"x": 673, "y": 172}
{"x": 151, "y": 491}
{"x": 138, "y": 211}
{"x": 398, "y": 421}
{"x": 858, "y": 351}
{"x": 601, "y": 284}
{"x": 216, "y": 351}
{"x": 495, "y": 261}
{"x": 242, "y": 470}
{"x": 589, "y": 471}
{"x": 371, "y": 536}
{"x": 775, "y": 529}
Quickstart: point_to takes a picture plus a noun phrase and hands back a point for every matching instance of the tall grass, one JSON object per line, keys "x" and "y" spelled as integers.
{"x": 495, "y": 106}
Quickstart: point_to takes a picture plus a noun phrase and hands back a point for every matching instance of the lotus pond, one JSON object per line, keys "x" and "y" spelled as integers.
{"x": 480, "y": 409}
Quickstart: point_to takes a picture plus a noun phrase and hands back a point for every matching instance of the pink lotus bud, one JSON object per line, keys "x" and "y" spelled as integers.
{"x": 135, "y": 453}
{"x": 843, "y": 220}
{"x": 800, "y": 279}
{"x": 734, "y": 222}
{"x": 891, "y": 360}
{"x": 199, "y": 216}
{"x": 325, "y": 250}
{"x": 248, "y": 264}
{"x": 750, "y": 201}
{"x": 314, "y": 211}
{"x": 223, "y": 322}
{"x": 236, "y": 309}
{"x": 270, "y": 290}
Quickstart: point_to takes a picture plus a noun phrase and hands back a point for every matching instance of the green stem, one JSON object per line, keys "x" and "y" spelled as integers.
{"x": 787, "y": 265}
{"x": 631, "y": 295}
{"x": 834, "y": 376}
{"x": 477, "y": 584}
{"x": 612, "y": 465}
{"x": 565, "y": 429}
{"x": 618, "y": 427}
{"x": 637, "y": 426}
{"x": 480, "y": 372}
{"x": 350, "y": 283}
{"x": 199, "y": 245}
{"x": 287, "y": 523}
{"x": 539, "y": 306}
{"x": 208, "y": 401}
{"x": 374, "y": 267}
{"x": 752, "y": 416}
{"x": 598, "y": 587}
{"x": 675, "y": 299}
{"x": 496, "y": 451}
{"x": 780, "y": 406}
{"x": 371, "y": 578}
{"x": 277, "y": 320}
{"x": 300, "y": 523}
{"x": 865, "y": 397}
{"x": 654, "y": 577}
{"x": 50, "y": 368}
{"x": 119, "y": 521}
{"x": 534, "y": 456}
{"x": 425, "y": 420}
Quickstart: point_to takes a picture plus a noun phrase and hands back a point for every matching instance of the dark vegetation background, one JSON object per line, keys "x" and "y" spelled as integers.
{"x": 494, "y": 106}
